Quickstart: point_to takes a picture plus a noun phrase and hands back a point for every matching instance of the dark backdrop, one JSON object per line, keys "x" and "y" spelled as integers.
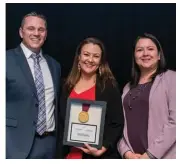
{"x": 117, "y": 25}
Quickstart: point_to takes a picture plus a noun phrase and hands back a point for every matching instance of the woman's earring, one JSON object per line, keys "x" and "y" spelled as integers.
{"x": 100, "y": 72}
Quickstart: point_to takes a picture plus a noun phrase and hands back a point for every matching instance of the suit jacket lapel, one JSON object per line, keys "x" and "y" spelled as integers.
{"x": 53, "y": 73}
{"x": 22, "y": 62}
{"x": 55, "y": 81}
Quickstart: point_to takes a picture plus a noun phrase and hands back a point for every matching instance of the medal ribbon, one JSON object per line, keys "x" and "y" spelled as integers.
{"x": 85, "y": 107}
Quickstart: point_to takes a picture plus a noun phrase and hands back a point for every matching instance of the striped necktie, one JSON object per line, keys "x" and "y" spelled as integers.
{"x": 39, "y": 83}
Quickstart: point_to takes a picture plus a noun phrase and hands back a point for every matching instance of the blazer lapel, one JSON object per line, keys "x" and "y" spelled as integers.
{"x": 97, "y": 92}
{"x": 154, "y": 86}
{"x": 125, "y": 91}
{"x": 150, "y": 119}
{"x": 22, "y": 62}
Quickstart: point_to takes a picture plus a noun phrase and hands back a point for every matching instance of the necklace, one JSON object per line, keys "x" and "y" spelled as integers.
{"x": 139, "y": 90}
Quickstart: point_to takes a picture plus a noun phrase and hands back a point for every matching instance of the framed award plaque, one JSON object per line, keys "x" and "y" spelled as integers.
{"x": 84, "y": 123}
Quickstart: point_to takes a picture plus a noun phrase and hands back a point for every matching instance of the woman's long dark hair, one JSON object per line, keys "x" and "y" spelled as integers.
{"x": 105, "y": 75}
{"x": 135, "y": 72}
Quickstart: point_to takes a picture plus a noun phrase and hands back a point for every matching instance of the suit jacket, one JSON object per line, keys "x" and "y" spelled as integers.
{"x": 162, "y": 118}
{"x": 22, "y": 102}
{"x": 114, "y": 121}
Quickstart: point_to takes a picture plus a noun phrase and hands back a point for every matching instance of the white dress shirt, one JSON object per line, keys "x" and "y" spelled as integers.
{"x": 48, "y": 84}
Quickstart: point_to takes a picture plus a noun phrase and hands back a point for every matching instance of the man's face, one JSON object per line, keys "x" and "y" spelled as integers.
{"x": 33, "y": 33}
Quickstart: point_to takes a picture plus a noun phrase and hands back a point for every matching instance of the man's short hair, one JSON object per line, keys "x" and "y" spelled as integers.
{"x": 36, "y": 15}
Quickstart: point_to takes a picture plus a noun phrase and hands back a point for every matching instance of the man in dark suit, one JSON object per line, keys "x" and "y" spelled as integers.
{"x": 32, "y": 89}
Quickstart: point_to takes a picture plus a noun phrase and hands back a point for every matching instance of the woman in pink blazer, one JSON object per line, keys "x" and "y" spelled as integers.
{"x": 149, "y": 103}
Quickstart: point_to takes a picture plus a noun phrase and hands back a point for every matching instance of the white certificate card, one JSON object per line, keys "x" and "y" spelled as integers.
{"x": 83, "y": 132}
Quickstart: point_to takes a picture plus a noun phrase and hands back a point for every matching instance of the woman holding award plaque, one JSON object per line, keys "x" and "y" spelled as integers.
{"x": 149, "y": 102}
{"x": 91, "y": 79}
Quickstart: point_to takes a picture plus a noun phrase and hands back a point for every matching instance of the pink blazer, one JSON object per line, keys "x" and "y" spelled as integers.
{"x": 162, "y": 118}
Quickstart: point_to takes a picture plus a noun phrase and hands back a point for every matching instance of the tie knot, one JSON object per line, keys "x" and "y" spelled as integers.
{"x": 36, "y": 57}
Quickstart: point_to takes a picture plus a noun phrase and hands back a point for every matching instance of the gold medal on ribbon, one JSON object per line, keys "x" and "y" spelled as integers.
{"x": 83, "y": 115}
